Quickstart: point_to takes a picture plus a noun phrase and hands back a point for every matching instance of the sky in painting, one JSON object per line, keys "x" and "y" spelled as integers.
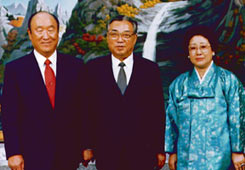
{"x": 67, "y": 5}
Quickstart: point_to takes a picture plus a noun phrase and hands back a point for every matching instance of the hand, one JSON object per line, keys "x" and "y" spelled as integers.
{"x": 161, "y": 158}
{"x": 172, "y": 161}
{"x": 87, "y": 156}
{"x": 16, "y": 162}
{"x": 238, "y": 159}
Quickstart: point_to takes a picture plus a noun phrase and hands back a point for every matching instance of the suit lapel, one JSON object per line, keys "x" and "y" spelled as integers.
{"x": 64, "y": 76}
{"x": 38, "y": 88}
{"x": 109, "y": 77}
{"x": 134, "y": 79}
{"x": 135, "y": 76}
{"x": 61, "y": 81}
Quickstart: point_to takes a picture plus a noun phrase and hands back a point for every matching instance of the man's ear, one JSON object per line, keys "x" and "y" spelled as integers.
{"x": 136, "y": 37}
{"x": 29, "y": 33}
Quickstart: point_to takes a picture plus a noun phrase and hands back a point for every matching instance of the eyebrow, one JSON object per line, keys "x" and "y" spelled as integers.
{"x": 38, "y": 27}
{"x": 199, "y": 43}
{"x": 114, "y": 30}
{"x": 52, "y": 26}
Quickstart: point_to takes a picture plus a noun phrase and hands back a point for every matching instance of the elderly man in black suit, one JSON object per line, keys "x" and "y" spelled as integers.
{"x": 126, "y": 103}
{"x": 41, "y": 100}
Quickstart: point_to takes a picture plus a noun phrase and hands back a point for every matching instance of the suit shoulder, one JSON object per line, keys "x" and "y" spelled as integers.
{"x": 145, "y": 60}
{"x": 97, "y": 60}
{"x": 97, "y": 63}
{"x": 71, "y": 59}
{"x": 147, "y": 64}
{"x": 19, "y": 62}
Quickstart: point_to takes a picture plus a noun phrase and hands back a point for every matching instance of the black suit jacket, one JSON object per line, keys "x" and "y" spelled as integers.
{"x": 128, "y": 130}
{"x": 47, "y": 138}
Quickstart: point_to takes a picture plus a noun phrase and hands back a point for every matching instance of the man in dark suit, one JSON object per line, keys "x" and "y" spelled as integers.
{"x": 126, "y": 103}
{"x": 41, "y": 97}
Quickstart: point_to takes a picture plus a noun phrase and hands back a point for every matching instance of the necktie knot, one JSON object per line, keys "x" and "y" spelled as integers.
{"x": 47, "y": 62}
{"x": 122, "y": 64}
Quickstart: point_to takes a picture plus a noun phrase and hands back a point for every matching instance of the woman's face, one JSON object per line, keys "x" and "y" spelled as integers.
{"x": 200, "y": 52}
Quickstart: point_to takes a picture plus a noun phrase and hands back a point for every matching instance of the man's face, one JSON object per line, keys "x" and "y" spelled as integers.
{"x": 44, "y": 33}
{"x": 121, "y": 39}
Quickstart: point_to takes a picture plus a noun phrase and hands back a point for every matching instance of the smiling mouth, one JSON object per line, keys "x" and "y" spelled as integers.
{"x": 46, "y": 43}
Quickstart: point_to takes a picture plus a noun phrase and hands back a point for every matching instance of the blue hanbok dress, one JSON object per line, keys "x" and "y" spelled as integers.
{"x": 204, "y": 120}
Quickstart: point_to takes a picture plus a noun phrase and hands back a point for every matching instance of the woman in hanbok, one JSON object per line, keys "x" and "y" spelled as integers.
{"x": 205, "y": 111}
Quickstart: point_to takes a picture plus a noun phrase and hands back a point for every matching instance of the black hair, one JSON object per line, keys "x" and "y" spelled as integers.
{"x": 124, "y": 18}
{"x": 31, "y": 17}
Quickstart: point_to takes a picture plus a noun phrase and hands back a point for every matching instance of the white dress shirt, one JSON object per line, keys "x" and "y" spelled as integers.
{"x": 128, "y": 68}
{"x": 201, "y": 79}
{"x": 41, "y": 62}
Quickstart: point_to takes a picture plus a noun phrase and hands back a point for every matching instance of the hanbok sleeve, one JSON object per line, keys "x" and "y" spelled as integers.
{"x": 171, "y": 131}
{"x": 236, "y": 109}
{"x": 242, "y": 115}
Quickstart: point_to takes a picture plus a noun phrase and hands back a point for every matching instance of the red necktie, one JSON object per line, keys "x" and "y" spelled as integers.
{"x": 50, "y": 82}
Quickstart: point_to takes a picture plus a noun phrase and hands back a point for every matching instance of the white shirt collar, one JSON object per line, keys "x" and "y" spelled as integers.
{"x": 128, "y": 68}
{"x": 41, "y": 59}
{"x": 128, "y": 61}
{"x": 202, "y": 79}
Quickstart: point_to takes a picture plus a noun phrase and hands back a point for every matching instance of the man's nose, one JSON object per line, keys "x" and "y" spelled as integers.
{"x": 120, "y": 39}
{"x": 45, "y": 34}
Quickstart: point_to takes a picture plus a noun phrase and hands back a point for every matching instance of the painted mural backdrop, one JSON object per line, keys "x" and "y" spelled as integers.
{"x": 162, "y": 25}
